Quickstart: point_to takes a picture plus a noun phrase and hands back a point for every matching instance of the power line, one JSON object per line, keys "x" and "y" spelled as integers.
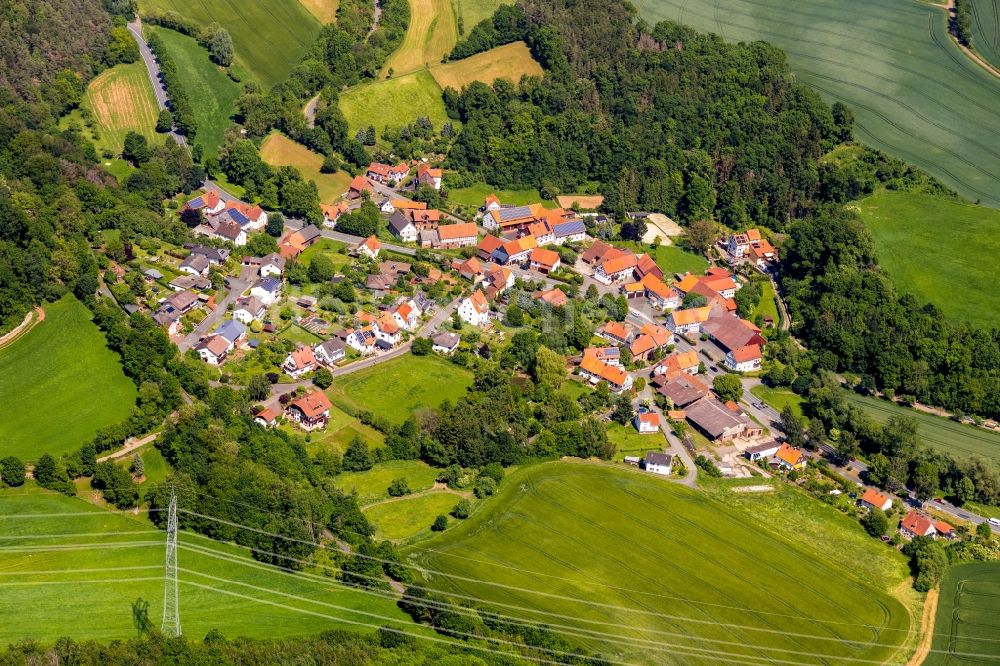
{"x": 92, "y": 514}
{"x": 77, "y": 534}
{"x": 171, "y": 625}
{"x": 51, "y": 572}
{"x": 78, "y": 546}
{"x": 81, "y": 582}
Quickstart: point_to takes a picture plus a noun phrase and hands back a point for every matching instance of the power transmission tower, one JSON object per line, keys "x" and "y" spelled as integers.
{"x": 171, "y": 609}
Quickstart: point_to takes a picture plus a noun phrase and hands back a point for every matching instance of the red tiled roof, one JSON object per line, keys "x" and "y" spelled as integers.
{"x": 875, "y": 498}
{"x": 455, "y": 231}
{"x": 917, "y": 523}
{"x": 312, "y": 404}
{"x": 748, "y": 353}
{"x": 546, "y": 258}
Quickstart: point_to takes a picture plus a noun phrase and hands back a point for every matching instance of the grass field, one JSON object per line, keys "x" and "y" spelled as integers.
{"x": 510, "y": 61}
{"x": 941, "y": 251}
{"x": 778, "y": 398}
{"x": 474, "y": 11}
{"x": 324, "y": 11}
{"x": 373, "y": 485}
{"x": 914, "y": 93}
{"x": 476, "y": 195}
{"x": 986, "y": 30}
{"x": 394, "y": 389}
{"x": 68, "y": 600}
{"x": 394, "y": 102}
{"x": 968, "y": 615}
{"x": 279, "y": 150}
{"x": 296, "y": 333}
{"x": 677, "y": 576}
{"x": 213, "y": 94}
{"x": 120, "y": 100}
{"x": 60, "y": 384}
{"x": 962, "y": 441}
{"x": 671, "y": 259}
{"x": 628, "y": 442}
{"x": 269, "y": 38}
{"x": 330, "y": 249}
{"x": 340, "y": 430}
{"x": 767, "y": 306}
{"x": 431, "y": 35}
{"x": 406, "y": 517}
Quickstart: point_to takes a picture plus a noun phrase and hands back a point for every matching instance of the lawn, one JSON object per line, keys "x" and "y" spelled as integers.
{"x": 986, "y": 30}
{"x": 296, "y": 333}
{"x": 914, "y": 93}
{"x": 968, "y": 615}
{"x": 939, "y": 250}
{"x": 628, "y": 442}
{"x": 324, "y": 11}
{"x": 328, "y": 248}
{"x": 212, "y": 93}
{"x": 120, "y": 100}
{"x": 394, "y": 102}
{"x": 945, "y": 435}
{"x": 474, "y": 11}
{"x": 394, "y": 389}
{"x": 666, "y": 574}
{"x": 778, "y": 398}
{"x": 670, "y": 258}
{"x": 60, "y": 384}
{"x": 404, "y": 518}
{"x": 269, "y": 38}
{"x": 476, "y": 195}
{"x": 510, "y": 61}
{"x": 373, "y": 485}
{"x": 279, "y": 150}
{"x": 767, "y": 307}
{"x": 66, "y": 599}
{"x": 340, "y": 430}
{"x": 431, "y": 35}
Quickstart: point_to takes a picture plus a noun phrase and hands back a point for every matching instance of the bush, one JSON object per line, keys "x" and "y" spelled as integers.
{"x": 485, "y": 486}
{"x": 322, "y": 378}
{"x": 357, "y": 457}
{"x": 440, "y": 524}
{"x": 399, "y": 487}
{"x": 875, "y": 523}
{"x": 422, "y": 346}
{"x": 462, "y": 509}
{"x": 12, "y": 471}
{"x": 707, "y": 466}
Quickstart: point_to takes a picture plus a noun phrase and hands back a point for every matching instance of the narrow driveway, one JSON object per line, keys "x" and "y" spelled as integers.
{"x": 237, "y": 287}
{"x": 153, "y": 71}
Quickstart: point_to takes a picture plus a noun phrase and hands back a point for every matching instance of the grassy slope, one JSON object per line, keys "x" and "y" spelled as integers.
{"x": 474, "y": 11}
{"x": 404, "y": 518}
{"x": 986, "y": 30}
{"x": 102, "y": 610}
{"x": 431, "y": 35}
{"x": 340, "y": 430}
{"x": 778, "y": 398}
{"x": 324, "y": 11}
{"x": 373, "y": 485}
{"x": 914, "y": 93}
{"x": 394, "y": 102}
{"x": 647, "y": 547}
{"x": 396, "y": 388}
{"x": 269, "y": 37}
{"x": 121, "y": 100}
{"x": 510, "y": 61}
{"x": 671, "y": 259}
{"x": 968, "y": 609}
{"x": 60, "y": 384}
{"x": 628, "y": 441}
{"x": 475, "y": 195}
{"x": 278, "y": 150}
{"x": 939, "y": 250}
{"x": 962, "y": 441}
{"x": 213, "y": 95}
{"x": 328, "y": 248}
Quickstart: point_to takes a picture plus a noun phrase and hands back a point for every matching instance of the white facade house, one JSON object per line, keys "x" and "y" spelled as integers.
{"x": 445, "y": 343}
{"x": 744, "y": 359}
{"x": 249, "y": 309}
{"x": 361, "y": 340}
{"x": 658, "y": 463}
{"x": 330, "y": 352}
{"x": 475, "y": 310}
{"x": 267, "y": 290}
{"x": 647, "y": 423}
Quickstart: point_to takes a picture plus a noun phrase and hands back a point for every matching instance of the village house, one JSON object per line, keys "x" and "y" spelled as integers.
{"x": 406, "y": 315}
{"x": 214, "y": 349}
{"x": 615, "y": 267}
{"x": 208, "y": 203}
{"x": 402, "y": 227}
{"x": 655, "y": 291}
{"x": 686, "y": 362}
{"x": 471, "y": 269}
{"x": 475, "y": 310}
{"x": 248, "y": 216}
{"x": 384, "y": 173}
{"x": 267, "y": 417}
{"x": 311, "y": 411}
{"x": 544, "y": 261}
{"x": 445, "y": 342}
{"x": 267, "y": 290}
{"x": 369, "y": 247}
{"x": 487, "y": 247}
{"x": 944, "y": 530}
{"x": 554, "y": 297}
{"x": 172, "y": 308}
{"x": 215, "y": 255}
{"x": 428, "y": 176}
{"x": 761, "y": 451}
{"x": 248, "y": 309}
{"x": 515, "y": 251}
{"x": 609, "y": 355}
{"x": 594, "y": 370}
{"x": 732, "y": 333}
{"x": 330, "y": 351}
{"x": 186, "y": 281}
{"x": 451, "y": 236}
{"x": 744, "y": 359}
{"x": 680, "y": 390}
{"x": 509, "y": 219}
{"x": 271, "y": 264}
{"x": 361, "y": 340}
{"x": 299, "y": 362}
{"x": 542, "y": 232}
{"x": 646, "y": 423}
{"x": 497, "y": 280}
{"x": 873, "y": 499}
{"x": 688, "y": 321}
{"x": 358, "y": 186}
{"x": 491, "y": 204}
{"x": 789, "y": 458}
{"x": 915, "y": 524}
{"x": 646, "y": 266}
{"x": 571, "y": 231}
{"x": 749, "y": 245}
{"x": 650, "y": 339}
{"x": 194, "y": 264}
{"x": 719, "y": 423}
{"x": 230, "y": 232}
{"x": 390, "y": 206}
{"x": 332, "y": 213}
{"x": 658, "y": 463}
{"x": 386, "y": 329}
{"x": 616, "y": 332}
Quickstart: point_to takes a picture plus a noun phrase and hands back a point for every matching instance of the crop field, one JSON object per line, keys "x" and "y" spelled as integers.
{"x": 510, "y": 61}
{"x": 51, "y": 377}
{"x": 945, "y": 435}
{"x": 474, "y": 11}
{"x": 373, "y": 485}
{"x": 968, "y": 615}
{"x": 406, "y": 517}
{"x": 121, "y": 100}
{"x": 212, "y": 93}
{"x": 394, "y": 389}
{"x": 269, "y": 38}
{"x": 394, "y": 102}
{"x": 431, "y": 35}
{"x": 660, "y": 573}
{"x": 961, "y": 238}
{"x": 278, "y": 150}
{"x": 914, "y": 93}
{"x": 986, "y": 30}
{"x": 324, "y": 11}
{"x": 83, "y": 583}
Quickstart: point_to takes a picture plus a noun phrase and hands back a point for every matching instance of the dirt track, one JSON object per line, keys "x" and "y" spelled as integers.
{"x": 26, "y": 325}
{"x": 926, "y": 629}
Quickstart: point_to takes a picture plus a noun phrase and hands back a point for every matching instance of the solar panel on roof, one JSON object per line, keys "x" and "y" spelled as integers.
{"x": 238, "y": 217}
{"x": 197, "y": 202}
{"x": 514, "y": 213}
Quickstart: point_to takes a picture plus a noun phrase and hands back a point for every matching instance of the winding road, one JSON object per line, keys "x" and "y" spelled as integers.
{"x": 153, "y": 70}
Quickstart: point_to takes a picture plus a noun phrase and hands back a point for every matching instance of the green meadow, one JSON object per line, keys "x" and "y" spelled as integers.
{"x": 394, "y": 389}
{"x": 944, "y": 435}
{"x": 778, "y": 398}
{"x": 403, "y": 518}
{"x": 269, "y": 38}
{"x": 212, "y": 93}
{"x": 659, "y": 573}
{"x": 914, "y": 93}
{"x": 60, "y": 384}
{"x": 373, "y": 486}
{"x": 394, "y": 102}
{"x": 986, "y": 29}
{"x": 83, "y": 584}
{"x": 967, "y": 621}
{"x": 942, "y": 251}
{"x": 671, "y": 259}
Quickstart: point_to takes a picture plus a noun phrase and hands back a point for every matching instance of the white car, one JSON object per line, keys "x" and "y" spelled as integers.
{"x": 995, "y": 522}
